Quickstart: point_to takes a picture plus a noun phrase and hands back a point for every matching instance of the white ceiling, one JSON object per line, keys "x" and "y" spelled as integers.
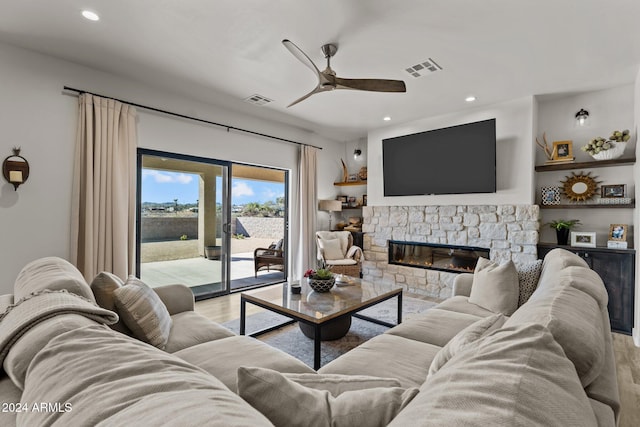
{"x": 222, "y": 51}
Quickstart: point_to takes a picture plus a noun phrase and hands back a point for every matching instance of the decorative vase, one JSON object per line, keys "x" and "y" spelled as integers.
{"x": 321, "y": 285}
{"x": 562, "y": 234}
{"x": 612, "y": 153}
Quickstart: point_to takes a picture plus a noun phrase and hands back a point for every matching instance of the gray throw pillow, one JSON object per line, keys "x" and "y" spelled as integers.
{"x": 495, "y": 287}
{"x": 103, "y": 287}
{"x": 287, "y": 403}
{"x": 528, "y": 276}
{"x": 142, "y": 311}
{"x": 336, "y": 384}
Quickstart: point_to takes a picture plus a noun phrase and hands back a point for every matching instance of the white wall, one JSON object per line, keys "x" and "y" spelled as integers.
{"x": 514, "y": 174}
{"x": 36, "y": 115}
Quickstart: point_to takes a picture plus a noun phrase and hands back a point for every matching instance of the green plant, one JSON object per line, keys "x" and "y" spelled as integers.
{"x": 184, "y": 237}
{"x": 560, "y": 224}
{"x": 321, "y": 273}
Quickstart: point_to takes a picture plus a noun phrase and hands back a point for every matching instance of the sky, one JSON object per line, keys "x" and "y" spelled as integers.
{"x": 163, "y": 186}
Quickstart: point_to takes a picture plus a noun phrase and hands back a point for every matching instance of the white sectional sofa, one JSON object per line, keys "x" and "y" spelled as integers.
{"x": 549, "y": 362}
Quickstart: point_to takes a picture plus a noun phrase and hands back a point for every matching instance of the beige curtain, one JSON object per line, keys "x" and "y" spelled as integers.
{"x": 104, "y": 188}
{"x": 307, "y": 201}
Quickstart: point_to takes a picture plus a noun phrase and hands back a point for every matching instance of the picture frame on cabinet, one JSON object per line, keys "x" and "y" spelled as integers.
{"x": 613, "y": 191}
{"x": 550, "y": 195}
{"x": 562, "y": 150}
{"x": 583, "y": 239}
{"x": 618, "y": 232}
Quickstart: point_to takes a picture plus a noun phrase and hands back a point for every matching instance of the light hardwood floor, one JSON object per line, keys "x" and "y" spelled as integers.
{"x": 225, "y": 308}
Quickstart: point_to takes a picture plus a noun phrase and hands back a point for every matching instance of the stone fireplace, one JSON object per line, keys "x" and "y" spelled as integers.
{"x": 508, "y": 232}
{"x": 452, "y": 258}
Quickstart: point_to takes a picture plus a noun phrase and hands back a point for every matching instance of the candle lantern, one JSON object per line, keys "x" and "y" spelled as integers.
{"x": 15, "y": 169}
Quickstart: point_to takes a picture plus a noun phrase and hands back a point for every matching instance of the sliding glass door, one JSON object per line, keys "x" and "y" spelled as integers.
{"x": 212, "y": 225}
{"x": 183, "y": 225}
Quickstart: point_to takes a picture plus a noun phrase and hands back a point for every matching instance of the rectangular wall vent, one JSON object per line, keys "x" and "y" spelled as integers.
{"x": 258, "y": 100}
{"x": 423, "y": 68}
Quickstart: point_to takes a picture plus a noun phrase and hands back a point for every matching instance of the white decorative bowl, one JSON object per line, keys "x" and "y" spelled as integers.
{"x": 612, "y": 153}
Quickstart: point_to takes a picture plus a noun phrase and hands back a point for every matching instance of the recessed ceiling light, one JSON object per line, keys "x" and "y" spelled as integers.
{"x": 91, "y": 16}
{"x": 386, "y": 118}
{"x": 470, "y": 98}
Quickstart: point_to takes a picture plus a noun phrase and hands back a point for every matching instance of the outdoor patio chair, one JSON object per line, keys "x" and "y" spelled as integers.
{"x": 269, "y": 258}
{"x": 337, "y": 251}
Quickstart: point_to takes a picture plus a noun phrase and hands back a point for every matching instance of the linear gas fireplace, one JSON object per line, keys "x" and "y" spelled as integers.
{"x": 451, "y": 258}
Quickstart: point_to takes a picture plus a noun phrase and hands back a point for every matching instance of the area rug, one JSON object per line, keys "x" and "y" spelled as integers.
{"x": 292, "y": 341}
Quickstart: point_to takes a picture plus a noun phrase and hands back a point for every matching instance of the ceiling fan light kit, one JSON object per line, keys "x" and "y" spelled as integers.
{"x": 327, "y": 79}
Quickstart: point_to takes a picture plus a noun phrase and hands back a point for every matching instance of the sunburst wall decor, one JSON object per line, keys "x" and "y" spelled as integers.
{"x": 580, "y": 187}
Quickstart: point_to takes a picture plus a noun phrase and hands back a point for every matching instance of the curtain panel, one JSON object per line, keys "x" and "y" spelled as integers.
{"x": 104, "y": 188}
{"x": 307, "y": 200}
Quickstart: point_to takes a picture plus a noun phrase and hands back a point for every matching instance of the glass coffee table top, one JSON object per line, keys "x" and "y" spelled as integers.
{"x": 319, "y": 307}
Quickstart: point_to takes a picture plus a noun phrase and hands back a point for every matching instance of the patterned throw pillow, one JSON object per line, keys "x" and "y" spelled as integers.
{"x": 528, "y": 277}
{"x": 142, "y": 310}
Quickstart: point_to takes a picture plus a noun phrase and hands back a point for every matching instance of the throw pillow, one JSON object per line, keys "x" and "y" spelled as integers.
{"x": 495, "y": 287}
{"x": 142, "y": 310}
{"x": 287, "y": 403}
{"x": 528, "y": 276}
{"x": 103, "y": 287}
{"x": 337, "y": 384}
{"x": 331, "y": 249}
{"x": 469, "y": 336}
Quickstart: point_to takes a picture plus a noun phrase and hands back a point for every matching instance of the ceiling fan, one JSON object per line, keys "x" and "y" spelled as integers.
{"x": 327, "y": 79}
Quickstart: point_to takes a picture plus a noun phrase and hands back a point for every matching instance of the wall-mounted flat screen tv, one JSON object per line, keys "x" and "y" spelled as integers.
{"x": 455, "y": 160}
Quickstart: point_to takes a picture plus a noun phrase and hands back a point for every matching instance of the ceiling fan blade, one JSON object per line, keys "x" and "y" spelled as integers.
{"x": 374, "y": 85}
{"x": 300, "y": 55}
{"x": 318, "y": 89}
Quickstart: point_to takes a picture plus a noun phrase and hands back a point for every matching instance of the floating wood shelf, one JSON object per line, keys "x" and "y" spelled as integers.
{"x": 343, "y": 184}
{"x": 585, "y": 165}
{"x": 589, "y": 206}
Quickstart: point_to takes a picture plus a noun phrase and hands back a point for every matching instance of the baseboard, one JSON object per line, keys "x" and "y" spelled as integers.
{"x": 635, "y": 332}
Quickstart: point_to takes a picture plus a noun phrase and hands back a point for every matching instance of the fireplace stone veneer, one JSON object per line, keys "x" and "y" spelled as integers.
{"x": 510, "y": 232}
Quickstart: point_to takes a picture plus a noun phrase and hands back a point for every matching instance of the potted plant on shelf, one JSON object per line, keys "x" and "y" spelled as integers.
{"x": 562, "y": 227}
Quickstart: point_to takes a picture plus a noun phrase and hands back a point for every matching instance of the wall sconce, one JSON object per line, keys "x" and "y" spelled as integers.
{"x": 582, "y": 116}
{"x": 357, "y": 153}
{"x": 330, "y": 206}
{"x": 15, "y": 169}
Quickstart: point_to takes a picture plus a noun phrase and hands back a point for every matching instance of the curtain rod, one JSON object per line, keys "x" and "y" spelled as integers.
{"x": 183, "y": 116}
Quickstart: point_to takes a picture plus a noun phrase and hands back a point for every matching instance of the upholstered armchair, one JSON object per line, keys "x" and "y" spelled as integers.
{"x": 337, "y": 251}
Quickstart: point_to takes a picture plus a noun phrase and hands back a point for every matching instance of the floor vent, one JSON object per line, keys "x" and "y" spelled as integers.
{"x": 258, "y": 100}
{"x": 428, "y": 66}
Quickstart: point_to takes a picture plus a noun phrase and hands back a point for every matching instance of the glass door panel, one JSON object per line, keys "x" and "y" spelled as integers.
{"x": 183, "y": 222}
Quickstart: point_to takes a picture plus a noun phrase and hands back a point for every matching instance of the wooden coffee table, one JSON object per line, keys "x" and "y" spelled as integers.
{"x": 317, "y": 312}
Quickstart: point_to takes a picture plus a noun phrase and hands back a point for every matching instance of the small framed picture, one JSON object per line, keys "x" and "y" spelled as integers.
{"x": 614, "y": 190}
{"x": 618, "y": 232}
{"x": 583, "y": 239}
{"x": 550, "y": 195}
{"x": 364, "y": 200}
{"x": 343, "y": 200}
{"x": 562, "y": 150}
{"x": 352, "y": 202}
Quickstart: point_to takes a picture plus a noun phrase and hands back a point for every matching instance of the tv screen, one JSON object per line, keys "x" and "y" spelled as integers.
{"x": 455, "y": 160}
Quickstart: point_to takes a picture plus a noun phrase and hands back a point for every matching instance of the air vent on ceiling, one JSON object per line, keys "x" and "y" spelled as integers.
{"x": 258, "y": 100}
{"x": 428, "y": 66}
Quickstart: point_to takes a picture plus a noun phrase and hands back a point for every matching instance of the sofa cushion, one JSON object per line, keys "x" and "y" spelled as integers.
{"x": 505, "y": 381}
{"x": 392, "y": 356}
{"x": 190, "y": 328}
{"x": 222, "y": 358}
{"x": 495, "y": 287}
{"x": 469, "y": 336}
{"x": 528, "y": 277}
{"x": 9, "y": 393}
{"x": 461, "y": 304}
{"x": 103, "y": 286}
{"x": 143, "y": 312}
{"x": 336, "y": 384}
{"x": 434, "y": 326}
{"x": 558, "y": 259}
{"x": 51, "y": 273}
{"x": 573, "y": 317}
{"x": 288, "y": 403}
